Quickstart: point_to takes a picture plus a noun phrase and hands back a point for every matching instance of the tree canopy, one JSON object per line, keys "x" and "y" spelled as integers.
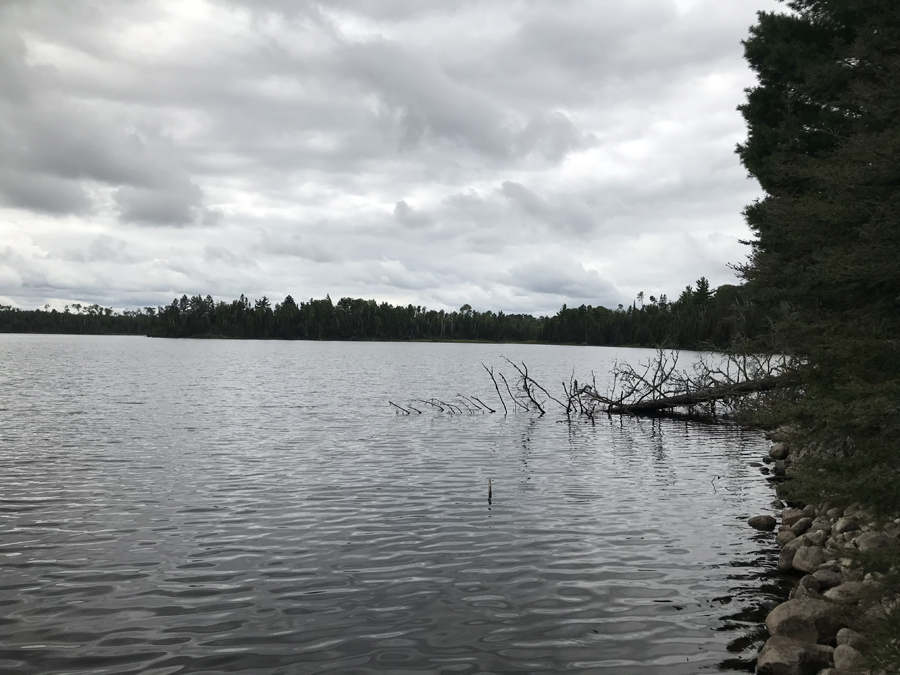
{"x": 824, "y": 142}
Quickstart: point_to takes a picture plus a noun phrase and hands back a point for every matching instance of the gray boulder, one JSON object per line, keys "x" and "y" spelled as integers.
{"x": 871, "y": 541}
{"x": 786, "y": 557}
{"x": 786, "y": 656}
{"x": 784, "y": 537}
{"x": 791, "y": 516}
{"x": 801, "y": 526}
{"x": 821, "y": 525}
{"x": 807, "y": 587}
{"x": 827, "y": 578}
{"x": 805, "y": 619}
{"x": 779, "y": 451}
{"x": 816, "y": 538}
{"x": 846, "y": 524}
{"x": 849, "y": 591}
{"x": 764, "y": 523}
{"x": 858, "y": 641}
{"x": 808, "y": 558}
{"x": 847, "y": 658}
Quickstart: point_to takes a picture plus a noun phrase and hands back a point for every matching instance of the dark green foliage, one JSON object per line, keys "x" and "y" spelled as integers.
{"x": 76, "y": 320}
{"x": 824, "y": 142}
{"x": 700, "y": 318}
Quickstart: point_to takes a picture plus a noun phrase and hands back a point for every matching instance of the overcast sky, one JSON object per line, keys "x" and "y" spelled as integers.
{"x": 510, "y": 155}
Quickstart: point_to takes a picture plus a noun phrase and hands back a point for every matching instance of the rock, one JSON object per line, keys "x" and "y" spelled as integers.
{"x": 780, "y": 468}
{"x": 846, "y": 524}
{"x": 835, "y": 671}
{"x": 765, "y": 523}
{"x": 827, "y": 578}
{"x": 821, "y": 524}
{"x": 816, "y": 538}
{"x": 808, "y": 558}
{"x": 786, "y": 557}
{"x": 858, "y": 641}
{"x": 849, "y": 591}
{"x": 784, "y": 537}
{"x": 847, "y": 658}
{"x": 810, "y": 510}
{"x": 850, "y": 572}
{"x": 807, "y": 587}
{"x": 785, "y": 656}
{"x": 801, "y": 526}
{"x": 791, "y": 516}
{"x": 779, "y": 451}
{"x": 777, "y": 504}
{"x": 765, "y": 471}
{"x": 804, "y": 619}
{"x": 872, "y": 541}
{"x": 834, "y": 513}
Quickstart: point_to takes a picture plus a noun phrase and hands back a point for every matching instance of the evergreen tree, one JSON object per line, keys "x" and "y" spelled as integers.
{"x": 824, "y": 143}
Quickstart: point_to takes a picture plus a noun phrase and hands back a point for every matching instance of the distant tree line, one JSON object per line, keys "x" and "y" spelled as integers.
{"x": 699, "y": 317}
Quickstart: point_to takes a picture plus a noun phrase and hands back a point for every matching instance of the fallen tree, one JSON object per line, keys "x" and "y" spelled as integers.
{"x": 715, "y": 386}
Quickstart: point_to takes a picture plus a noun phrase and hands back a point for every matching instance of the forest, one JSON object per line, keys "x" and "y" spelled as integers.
{"x": 701, "y": 317}
{"x": 824, "y": 141}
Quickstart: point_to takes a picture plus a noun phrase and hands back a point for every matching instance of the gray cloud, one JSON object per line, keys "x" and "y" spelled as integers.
{"x": 509, "y": 155}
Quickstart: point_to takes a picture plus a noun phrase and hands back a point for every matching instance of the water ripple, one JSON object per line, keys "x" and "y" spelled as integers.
{"x": 221, "y": 507}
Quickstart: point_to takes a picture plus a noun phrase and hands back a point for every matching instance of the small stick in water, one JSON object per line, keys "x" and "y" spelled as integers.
{"x": 489, "y": 491}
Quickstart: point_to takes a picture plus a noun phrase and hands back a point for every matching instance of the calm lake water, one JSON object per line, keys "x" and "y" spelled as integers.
{"x": 258, "y": 507}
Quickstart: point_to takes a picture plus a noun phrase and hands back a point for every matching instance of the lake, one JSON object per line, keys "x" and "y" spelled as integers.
{"x": 180, "y": 506}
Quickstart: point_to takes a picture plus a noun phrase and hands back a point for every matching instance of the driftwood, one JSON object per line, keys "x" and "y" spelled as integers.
{"x": 723, "y": 393}
{"x": 714, "y": 386}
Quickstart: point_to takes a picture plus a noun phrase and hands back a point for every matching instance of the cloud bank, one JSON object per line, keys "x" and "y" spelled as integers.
{"x": 513, "y": 156}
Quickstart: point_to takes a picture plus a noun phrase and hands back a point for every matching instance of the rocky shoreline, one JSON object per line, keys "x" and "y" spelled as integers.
{"x": 820, "y": 629}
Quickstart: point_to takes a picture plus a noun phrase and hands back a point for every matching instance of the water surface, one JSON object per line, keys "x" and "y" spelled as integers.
{"x": 258, "y": 507}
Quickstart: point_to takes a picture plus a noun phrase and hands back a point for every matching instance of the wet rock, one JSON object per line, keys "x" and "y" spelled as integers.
{"x": 765, "y": 471}
{"x": 784, "y": 537}
{"x": 849, "y": 591}
{"x": 808, "y": 558}
{"x": 786, "y": 557}
{"x": 801, "y": 526}
{"x": 764, "y": 523}
{"x": 786, "y": 656}
{"x": 804, "y": 619}
{"x": 846, "y": 524}
{"x": 847, "y": 658}
{"x": 779, "y": 451}
{"x": 807, "y": 587}
{"x": 777, "y": 504}
{"x": 872, "y": 541}
{"x": 827, "y": 578}
{"x": 846, "y": 636}
{"x": 780, "y": 468}
{"x": 791, "y": 516}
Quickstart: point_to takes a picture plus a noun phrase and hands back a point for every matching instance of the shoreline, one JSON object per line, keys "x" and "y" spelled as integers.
{"x": 834, "y": 602}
